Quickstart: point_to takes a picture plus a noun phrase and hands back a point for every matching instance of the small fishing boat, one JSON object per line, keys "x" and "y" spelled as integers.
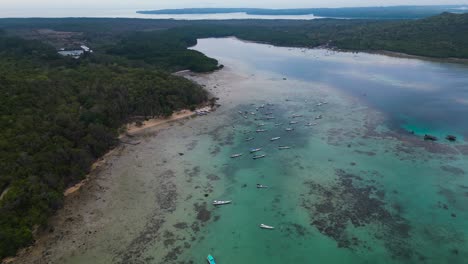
{"x": 240, "y": 112}
{"x": 260, "y": 125}
{"x": 311, "y": 124}
{"x": 293, "y": 122}
{"x": 318, "y": 117}
{"x": 451, "y": 138}
{"x": 270, "y": 117}
{"x": 261, "y": 186}
{"x": 269, "y": 113}
{"x": 266, "y": 226}
{"x": 319, "y": 104}
{"x": 296, "y": 115}
{"x": 210, "y": 259}
{"x": 289, "y": 129}
{"x": 260, "y": 130}
{"x": 236, "y": 155}
{"x": 249, "y": 139}
{"x": 262, "y": 106}
{"x": 216, "y": 202}
{"x": 252, "y": 150}
{"x": 258, "y": 156}
{"x": 275, "y": 138}
{"x": 284, "y": 147}
{"x": 252, "y": 113}
{"x": 278, "y": 124}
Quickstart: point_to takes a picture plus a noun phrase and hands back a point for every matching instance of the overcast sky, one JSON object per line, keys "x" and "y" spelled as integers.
{"x": 157, "y": 4}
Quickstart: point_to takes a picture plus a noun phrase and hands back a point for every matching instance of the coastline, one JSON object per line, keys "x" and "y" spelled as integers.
{"x": 85, "y": 199}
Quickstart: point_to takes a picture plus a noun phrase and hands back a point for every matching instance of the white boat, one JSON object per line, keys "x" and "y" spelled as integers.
{"x": 261, "y": 186}
{"x": 266, "y": 226}
{"x": 216, "y": 202}
{"x": 249, "y": 139}
{"x": 289, "y": 129}
{"x": 293, "y": 122}
{"x": 252, "y": 150}
{"x": 275, "y": 138}
{"x": 260, "y": 130}
{"x": 278, "y": 124}
{"x": 260, "y": 125}
{"x": 311, "y": 124}
{"x": 252, "y": 113}
{"x": 284, "y": 147}
{"x": 294, "y": 116}
{"x": 318, "y": 117}
{"x": 259, "y": 156}
{"x": 236, "y": 155}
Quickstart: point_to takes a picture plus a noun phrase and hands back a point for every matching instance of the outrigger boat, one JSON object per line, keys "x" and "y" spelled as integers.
{"x": 236, "y": 155}
{"x": 266, "y": 226}
{"x": 289, "y": 129}
{"x": 249, "y": 139}
{"x": 284, "y": 147}
{"x": 275, "y": 138}
{"x": 210, "y": 259}
{"x": 252, "y": 150}
{"x": 260, "y": 130}
{"x": 216, "y": 202}
{"x": 260, "y": 186}
{"x": 259, "y": 156}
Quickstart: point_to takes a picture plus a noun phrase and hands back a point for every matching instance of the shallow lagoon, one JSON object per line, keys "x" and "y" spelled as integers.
{"x": 353, "y": 188}
{"x": 356, "y": 187}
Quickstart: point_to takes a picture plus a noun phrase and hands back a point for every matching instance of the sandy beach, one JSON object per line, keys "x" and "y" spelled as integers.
{"x": 91, "y": 223}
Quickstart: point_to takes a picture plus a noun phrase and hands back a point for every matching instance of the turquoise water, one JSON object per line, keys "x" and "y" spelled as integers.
{"x": 354, "y": 188}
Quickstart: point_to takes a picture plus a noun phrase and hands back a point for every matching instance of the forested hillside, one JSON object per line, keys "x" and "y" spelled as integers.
{"x": 58, "y": 115}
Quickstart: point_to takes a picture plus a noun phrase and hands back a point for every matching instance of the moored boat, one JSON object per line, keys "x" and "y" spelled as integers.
{"x": 451, "y": 138}
{"x": 261, "y": 186}
{"x": 266, "y": 226}
{"x": 284, "y": 147}
{"x": 249, "y": 139}
{"x": 252, "y": 150}
{"x": 293, "y": 122}
{"x": 210, "y": 259}
{"x": 259, "y": 156}
{"x": 275, "y": 138}
{"x": 318, "y": 117}
{"x": 216, "y": 202}
{"x": 260, "y": 130}
{"x": 311, "y": 124}
{"x": 289, "y": 129}
{"x": 236, "y": 155}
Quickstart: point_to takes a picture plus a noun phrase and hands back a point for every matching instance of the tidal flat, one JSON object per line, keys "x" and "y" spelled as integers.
{"x": 357, "y": 185}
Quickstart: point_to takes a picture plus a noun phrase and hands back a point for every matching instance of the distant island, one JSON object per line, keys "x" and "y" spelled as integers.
{"x": 390, "y": 12}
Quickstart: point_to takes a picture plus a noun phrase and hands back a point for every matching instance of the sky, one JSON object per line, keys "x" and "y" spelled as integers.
{"x": 159, "y": 4}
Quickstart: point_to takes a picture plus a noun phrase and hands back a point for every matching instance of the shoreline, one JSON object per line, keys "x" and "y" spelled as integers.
{"x": 132, "y": 130}
{"x": 94, "y": 197}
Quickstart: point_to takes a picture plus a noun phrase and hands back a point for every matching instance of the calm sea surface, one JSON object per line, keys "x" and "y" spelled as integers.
{"x": 129, "y": 13}
{"x": 355, "y": 187}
